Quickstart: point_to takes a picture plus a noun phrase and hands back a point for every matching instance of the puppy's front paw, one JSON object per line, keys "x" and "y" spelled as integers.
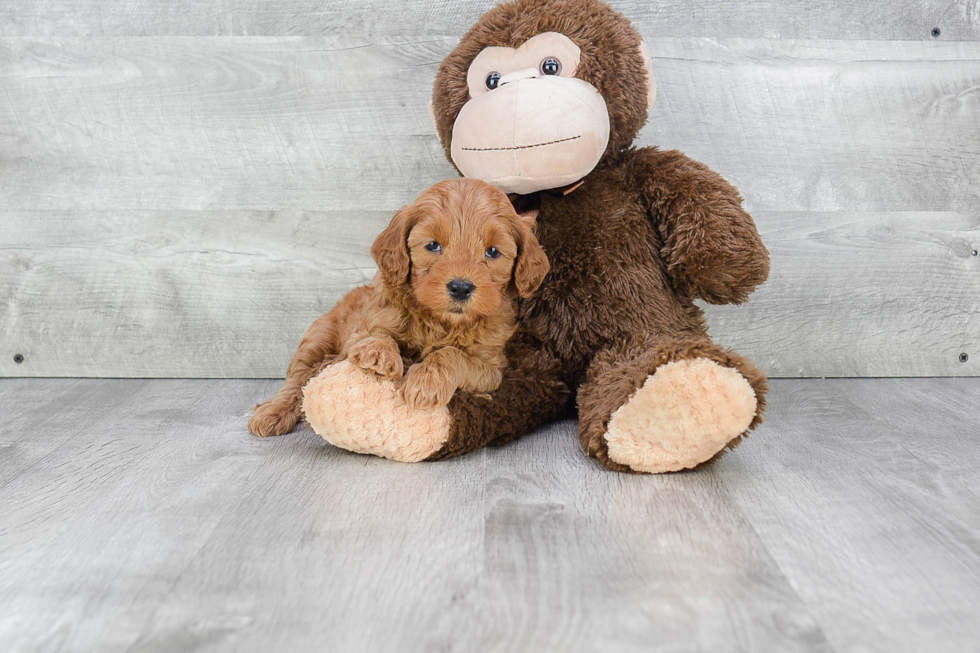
{"x": 378, "y": 354}
{"x": 427, "y": 386}
{"x": 272, "y": 418}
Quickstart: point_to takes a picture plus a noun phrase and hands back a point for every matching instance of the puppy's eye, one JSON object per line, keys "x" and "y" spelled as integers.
{"x": 493, "y": 252}
{"x": 550, "y": 66}
{"x": 493, "y": 79}
{"x": 434, "y": 247}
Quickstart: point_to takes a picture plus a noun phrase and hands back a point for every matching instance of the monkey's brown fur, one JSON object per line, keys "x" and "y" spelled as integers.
{"x": 647, "y": 233}
{"x": 407, "y": 312}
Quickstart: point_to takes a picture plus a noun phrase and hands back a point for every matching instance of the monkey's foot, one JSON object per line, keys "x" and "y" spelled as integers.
{"x": 684, "y": 414}
{"x": 354, "y": 410}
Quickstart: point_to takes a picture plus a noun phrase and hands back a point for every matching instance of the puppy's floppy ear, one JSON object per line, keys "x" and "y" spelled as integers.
{"x": 390, "y": 248}
{"x": 532, "y": 264}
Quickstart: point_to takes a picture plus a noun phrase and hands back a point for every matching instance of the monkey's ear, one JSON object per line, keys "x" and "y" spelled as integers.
{"x": 532, "y": 264}
{"x": 390, "y": 248}
{"x": 648, "y": 66}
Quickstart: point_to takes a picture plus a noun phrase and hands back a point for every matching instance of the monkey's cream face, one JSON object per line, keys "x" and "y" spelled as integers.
{"x": 530, "y": 124}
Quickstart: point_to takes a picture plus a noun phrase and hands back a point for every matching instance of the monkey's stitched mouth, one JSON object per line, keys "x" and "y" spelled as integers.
{"x": 519, "y": 147}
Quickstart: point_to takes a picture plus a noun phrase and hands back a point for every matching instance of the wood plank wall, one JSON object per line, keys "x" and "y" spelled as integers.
{"x": 186, "y": 184}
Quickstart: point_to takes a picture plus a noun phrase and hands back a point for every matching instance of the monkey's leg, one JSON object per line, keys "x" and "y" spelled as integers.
{"x": 355, "y": 411}
{"x": 663, "y": 405}
{"x": 529, "y": 395}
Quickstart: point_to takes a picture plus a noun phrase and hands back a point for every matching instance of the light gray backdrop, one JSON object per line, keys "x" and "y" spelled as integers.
{"x": 186, "y": 185}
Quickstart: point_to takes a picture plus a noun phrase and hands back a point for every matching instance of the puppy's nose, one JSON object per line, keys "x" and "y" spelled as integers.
{"x": 460, "y": 289}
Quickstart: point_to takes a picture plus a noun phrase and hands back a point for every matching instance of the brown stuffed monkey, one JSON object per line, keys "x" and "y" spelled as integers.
{"x": 538, "y": 96}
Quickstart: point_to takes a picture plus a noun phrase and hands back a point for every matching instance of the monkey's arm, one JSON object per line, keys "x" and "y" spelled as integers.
{"x": 712, "y": 248}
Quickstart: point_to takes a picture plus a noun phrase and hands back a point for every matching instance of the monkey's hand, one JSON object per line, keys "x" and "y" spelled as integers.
{"x": 712, "y": 248}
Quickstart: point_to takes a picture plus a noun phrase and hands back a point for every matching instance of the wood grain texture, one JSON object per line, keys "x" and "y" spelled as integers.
{"x": 30, "y": 405}
{"x": 659, "y": 560}
{"x": 341, "y": 123}
{"x": 862, "y": 294}
{"x": 823, "y": 19}
{"x": 871, "y": 492}
{"x": 217, "y": 123}
{"x": 141, "y": 516}
{"x": 186, "y": 206}
{"x": 187, "y": 294}
{"x": 203, "y": 294}
{"x": 126, "y": 469}
{"x": 826, "y": 126}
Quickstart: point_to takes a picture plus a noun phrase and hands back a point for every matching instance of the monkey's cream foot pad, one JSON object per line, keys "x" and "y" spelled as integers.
{"x": 683, "y": 415}
{"x": 354, "y": 410}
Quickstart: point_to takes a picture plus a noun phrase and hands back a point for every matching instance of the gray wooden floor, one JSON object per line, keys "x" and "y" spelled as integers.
{"x": 140, "y": 516}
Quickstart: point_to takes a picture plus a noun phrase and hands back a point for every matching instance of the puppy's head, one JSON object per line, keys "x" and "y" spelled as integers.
{"x": 463, "y": 250}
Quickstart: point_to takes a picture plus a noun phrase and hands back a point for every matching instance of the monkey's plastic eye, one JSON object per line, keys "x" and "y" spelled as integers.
{"x": 550, "y": 66}
{"x": 434, "y": 247}
{"x": 494, "y": 253}
{"x": 493, "y": 79}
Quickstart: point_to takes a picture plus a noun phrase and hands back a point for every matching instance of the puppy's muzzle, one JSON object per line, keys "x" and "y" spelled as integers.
{"x": 460, "y": 289}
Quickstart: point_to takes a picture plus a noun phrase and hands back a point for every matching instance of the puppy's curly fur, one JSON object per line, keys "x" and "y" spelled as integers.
{"x": 450, "y": 268}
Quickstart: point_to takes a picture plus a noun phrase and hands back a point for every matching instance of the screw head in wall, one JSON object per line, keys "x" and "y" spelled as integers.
{"x": 964, "y": 357}
{"x": 18, "y": 358}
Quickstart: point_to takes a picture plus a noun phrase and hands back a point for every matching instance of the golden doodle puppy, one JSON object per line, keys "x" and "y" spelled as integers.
{"x": 450, "y": 267}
